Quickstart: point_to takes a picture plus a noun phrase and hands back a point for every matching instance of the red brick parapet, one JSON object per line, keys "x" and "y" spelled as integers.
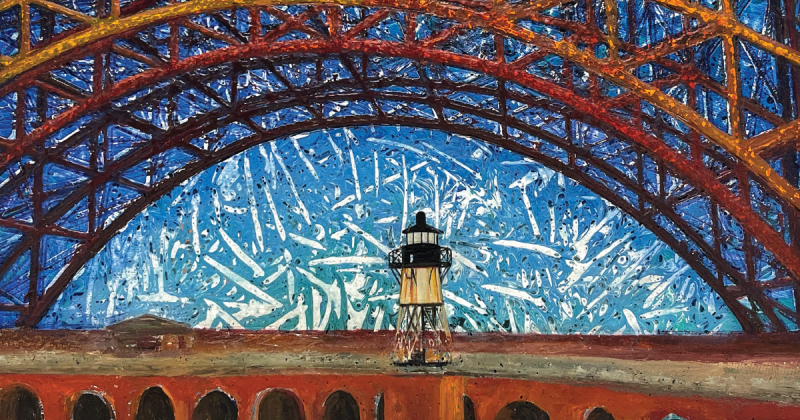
{"x": 751, "y": 368}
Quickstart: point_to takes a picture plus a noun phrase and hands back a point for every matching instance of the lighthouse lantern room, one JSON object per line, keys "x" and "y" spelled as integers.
{"x": 423, "y": 335}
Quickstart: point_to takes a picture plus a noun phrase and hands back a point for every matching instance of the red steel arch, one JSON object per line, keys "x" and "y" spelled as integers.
{"x": 503, "y": 18}
{"x": 181, "y": 135}
{"x": 98, "y": 40}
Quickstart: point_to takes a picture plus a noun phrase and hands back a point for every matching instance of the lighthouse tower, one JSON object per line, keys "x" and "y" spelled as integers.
{"x": 423, "y": 334}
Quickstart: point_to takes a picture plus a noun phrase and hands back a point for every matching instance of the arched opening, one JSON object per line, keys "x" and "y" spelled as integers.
{"x": 521, "y": 410}
{"x": 379, "y": 407}
{"x": 599, "y": 414}
{"x": 469, "y": 408}
{"x": 19, "y": 403}
{"x": 155, "y": 405}
{"x": 216, "y": 405}
{"x": 91, "y": 407}
{"x": 341, "y": 406}
{"x": 279, "y": 405}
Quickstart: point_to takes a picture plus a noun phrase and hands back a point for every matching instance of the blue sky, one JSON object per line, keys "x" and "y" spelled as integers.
{"x": 293, "y": 235}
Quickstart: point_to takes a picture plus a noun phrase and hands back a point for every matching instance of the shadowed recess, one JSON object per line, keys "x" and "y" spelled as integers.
{"x": 155, "y": 405}
{"x": 379, "y": 407}
{"x": 91, "y": 407}
{"x": 469, "y": 409}
{"x": 341, "y": 406}
{"x": 216, "y": 405}
{"x": 521, "y": 410}
{"x": 18, "y": 403}
{"x": 279, "y": 405}
{"x": 599, "y": 414}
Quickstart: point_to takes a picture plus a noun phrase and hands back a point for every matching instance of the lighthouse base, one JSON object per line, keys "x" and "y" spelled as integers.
{"x": 425, "y": 357}
{"x": 423, "y": 336}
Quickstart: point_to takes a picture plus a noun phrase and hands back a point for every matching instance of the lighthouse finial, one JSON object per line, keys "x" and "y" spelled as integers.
{"x": 421, "y": 221}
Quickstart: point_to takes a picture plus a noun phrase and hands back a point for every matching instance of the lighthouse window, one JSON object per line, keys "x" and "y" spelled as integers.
{"x": 422, "y": 238}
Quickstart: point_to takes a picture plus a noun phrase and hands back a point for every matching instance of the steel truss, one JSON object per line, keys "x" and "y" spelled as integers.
{"x": 656, "y": 152}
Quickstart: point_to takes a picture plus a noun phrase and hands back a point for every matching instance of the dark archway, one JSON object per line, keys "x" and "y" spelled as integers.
{"x": 155, "y": 405}
{"x": 279, "y": 405}
{"x": 18, "y": 403}
{"x": 216, "y": 405}
{"x": 341, "y": 406}
{"x": 521, "y": 410}
{"x": 379, "y": 407}
{"x": 469, "y": 409}
{"x": 91, "y": 407}
{"x": 599, "y": 414}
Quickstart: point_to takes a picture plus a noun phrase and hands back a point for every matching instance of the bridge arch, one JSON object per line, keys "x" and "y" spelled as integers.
{"x": 610, "y": 58}
{"x": 730, "y": 279}
{"x": 187, "y": 136}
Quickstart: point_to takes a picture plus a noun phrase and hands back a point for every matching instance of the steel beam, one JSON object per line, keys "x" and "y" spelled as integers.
{"x": 98, "y": 39}
{"x": 500, "y": 18}
{"x": 221, "y": 117}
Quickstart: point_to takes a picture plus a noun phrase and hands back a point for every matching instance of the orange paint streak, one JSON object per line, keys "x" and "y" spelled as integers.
{"x": 733, "y": 88}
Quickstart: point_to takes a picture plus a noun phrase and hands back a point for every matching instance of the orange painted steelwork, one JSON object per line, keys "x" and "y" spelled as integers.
{"x": 92, "y": 36}
{"x": 498, "y": 17}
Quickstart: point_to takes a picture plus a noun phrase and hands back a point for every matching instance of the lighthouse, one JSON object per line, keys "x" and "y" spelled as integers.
{"x": 423, "y": 334}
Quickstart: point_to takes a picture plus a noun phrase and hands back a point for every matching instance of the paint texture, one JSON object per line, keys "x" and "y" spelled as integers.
{"x": 294, "y": 235}
{"x": 107, "y": 107}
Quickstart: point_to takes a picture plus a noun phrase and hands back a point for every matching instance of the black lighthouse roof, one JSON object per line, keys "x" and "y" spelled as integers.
{"x": 422, "y": 225}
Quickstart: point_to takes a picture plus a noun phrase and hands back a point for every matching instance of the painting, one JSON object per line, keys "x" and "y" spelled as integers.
{"x": 380, "y": 209}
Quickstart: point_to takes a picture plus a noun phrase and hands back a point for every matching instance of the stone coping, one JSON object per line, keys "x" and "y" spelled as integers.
{"x": 763, "y": 368}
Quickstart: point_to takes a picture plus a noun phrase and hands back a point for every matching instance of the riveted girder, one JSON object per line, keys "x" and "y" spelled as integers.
{"x": 699, "y": 134}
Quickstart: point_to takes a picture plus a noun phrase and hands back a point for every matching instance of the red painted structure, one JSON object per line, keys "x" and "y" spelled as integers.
{"x": 405, "y": 397}
{"x": 724, "y": 168}
{"x": 73, "y": 363}
{"x": 729, "y": 173}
